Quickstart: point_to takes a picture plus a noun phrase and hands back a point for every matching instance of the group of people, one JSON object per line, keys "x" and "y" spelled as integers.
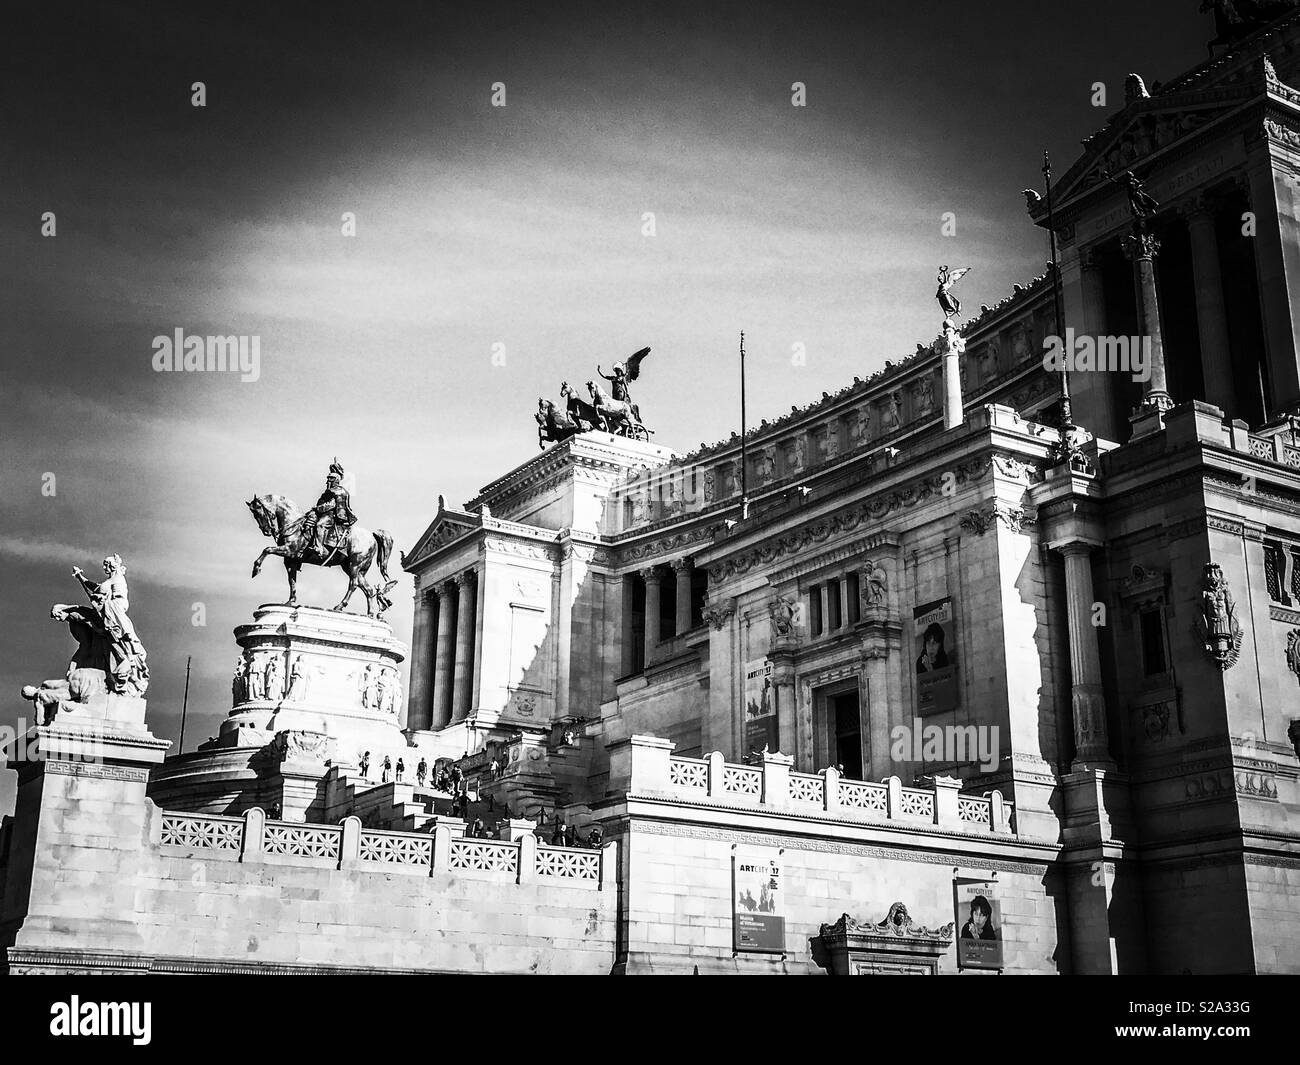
{"x": 444, "y": 777}
{"x": 566, "y": 835}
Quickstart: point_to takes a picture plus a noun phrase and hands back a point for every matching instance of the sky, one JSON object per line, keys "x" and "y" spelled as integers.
{"x": 497, "y": 251}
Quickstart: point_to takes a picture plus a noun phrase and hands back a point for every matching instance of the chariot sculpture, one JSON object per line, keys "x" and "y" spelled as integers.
{"x": 610, "y": 412}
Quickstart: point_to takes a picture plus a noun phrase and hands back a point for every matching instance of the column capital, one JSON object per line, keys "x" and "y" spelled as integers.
{"x": 465, "y": 577}
{"x": 1199, "y": 207}
{"x": 679, "y": 564}
{"x": 1069, "y": 548}
{"x": 1140, "y": 246}
{"x": 651, "y": 574}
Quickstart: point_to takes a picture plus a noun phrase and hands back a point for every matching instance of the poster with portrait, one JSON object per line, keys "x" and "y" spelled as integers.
{"x": 935, "y": 627}
{"x": 760, "y": 706}
{"x": 979, "y": 924}
{"x": 758, "y": 902}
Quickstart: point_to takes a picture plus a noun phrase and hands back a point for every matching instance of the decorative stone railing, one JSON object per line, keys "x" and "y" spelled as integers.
{"x": 252, "y": 838}
{"x": 1273, "y": 449}
{"x": 651, "y": 769}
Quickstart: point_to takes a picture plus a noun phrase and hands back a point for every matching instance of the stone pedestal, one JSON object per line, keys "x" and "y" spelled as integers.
{"x": 318, "y": 671}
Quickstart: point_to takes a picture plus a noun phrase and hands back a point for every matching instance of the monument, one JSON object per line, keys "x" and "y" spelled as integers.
{"x": 314, "y": 689}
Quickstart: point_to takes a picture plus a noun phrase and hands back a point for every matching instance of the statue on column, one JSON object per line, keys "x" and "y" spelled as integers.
{"x": 947, "y": 279}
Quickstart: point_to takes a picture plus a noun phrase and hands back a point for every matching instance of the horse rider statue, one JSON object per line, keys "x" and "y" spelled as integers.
{"x": 330, "y": 518}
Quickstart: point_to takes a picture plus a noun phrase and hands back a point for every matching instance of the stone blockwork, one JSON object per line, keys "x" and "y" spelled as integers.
{"x": 98, "y": 878}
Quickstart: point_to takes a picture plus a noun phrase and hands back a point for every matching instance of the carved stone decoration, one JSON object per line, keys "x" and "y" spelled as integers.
{"x": 239, "y": 682}
{"x": 781, "y": 609}
{"x": 710, "y": 486}
{"x": 980, "y": 521}
{"x": 256, "y": 673}
{"x": 765, "y": 466}
{"x": 895, "y": 945}
{"x": 1155, "y": 721}
{"x": 796, "y": 454}
{"x": 830, "y": 443}
{"x": 859, "y": 427}
{"x": 874, "y": 584}
{"x": 1275, "y": 131}
{"x": 272, "y": 681}
{"x": 1293, "y": 652}
{"x": 892, "y": 417}
{"x": 1217, "y": 623}
{"x": 1144, "y": 586}
{"x": 718, "y": 614}
{"x": 299, "y": 680}
{"x": 924, "y": 395}
{"x": 301, "y": 745}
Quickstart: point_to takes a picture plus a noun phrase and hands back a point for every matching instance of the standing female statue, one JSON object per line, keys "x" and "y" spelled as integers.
{"x": 128, "y": 671}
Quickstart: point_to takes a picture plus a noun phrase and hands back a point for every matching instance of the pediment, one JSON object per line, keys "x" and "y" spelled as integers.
{"x": 1139, "y": 136}
{"x": 1149, "y": 127}
{"x": 447, "y": 527}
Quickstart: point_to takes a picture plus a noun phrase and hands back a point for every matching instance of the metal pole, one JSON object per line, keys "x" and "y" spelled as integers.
{"x": 1067, "y": 419}
{"x": 744, "y": 462}
{"x": 185, "y": 702}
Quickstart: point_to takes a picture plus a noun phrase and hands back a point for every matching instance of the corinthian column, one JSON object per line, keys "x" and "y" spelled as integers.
{"x": 417, "y": 705}
{"x": 443, "y": 662}
{"x": 651, "y": 577}
{"x": 1091, "y": 744}
{"x": 1211, "y": 318}
{"x": 682, "y": 567}
{"x": 1142, "y": 249}
{"x": 464, "y": 682}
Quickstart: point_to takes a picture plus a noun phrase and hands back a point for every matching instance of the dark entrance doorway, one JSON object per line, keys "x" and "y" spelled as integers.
{"x": 846, "y": 720}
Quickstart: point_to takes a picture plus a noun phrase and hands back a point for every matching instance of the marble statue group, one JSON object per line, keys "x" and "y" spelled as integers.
{"x": 109, "y": 659}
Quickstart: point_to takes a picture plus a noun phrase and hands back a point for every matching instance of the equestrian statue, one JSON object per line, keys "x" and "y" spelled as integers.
{"x": 327, "y": 535}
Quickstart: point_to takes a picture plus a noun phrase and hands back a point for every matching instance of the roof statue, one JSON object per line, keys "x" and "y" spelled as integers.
{"x": 610, "y": 412}
{"x": 327, "y": 535}
{"x": 1237, "y": 19}
{"x": 947, "y": 279}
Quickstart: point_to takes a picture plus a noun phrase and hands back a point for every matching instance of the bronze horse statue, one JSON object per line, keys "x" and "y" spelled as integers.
{"x": 580, "y": 412}
{"x": 553, "y": 425}
{"x": 279, "y": 518}
{"x": 620, "y": 416}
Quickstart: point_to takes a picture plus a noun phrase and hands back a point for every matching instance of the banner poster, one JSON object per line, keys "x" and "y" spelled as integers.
{"x": 760, "y": 707}
{"x": 936, "y": 657}
{"x": 758, "y": 902}
{"x": 979, "y": 923}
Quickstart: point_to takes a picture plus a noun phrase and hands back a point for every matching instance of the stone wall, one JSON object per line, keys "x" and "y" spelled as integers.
{"x": 844, "y": 847}
{"x": 101, "y": 879}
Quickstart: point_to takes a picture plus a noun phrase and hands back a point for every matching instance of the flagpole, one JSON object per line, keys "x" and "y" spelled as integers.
{"x": 1067, "y": 415}
{"x": 185, "y": 702}
{"x": 744, "y": 464}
